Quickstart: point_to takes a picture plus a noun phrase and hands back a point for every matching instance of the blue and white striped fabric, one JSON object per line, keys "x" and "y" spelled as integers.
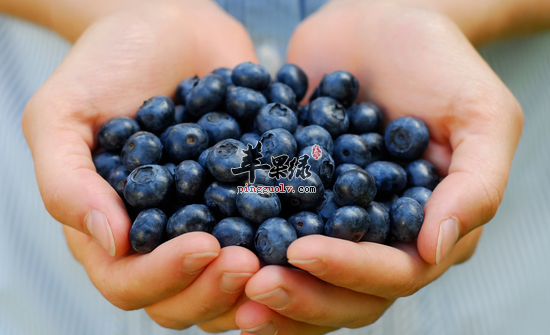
{"x": 503, "y": 289}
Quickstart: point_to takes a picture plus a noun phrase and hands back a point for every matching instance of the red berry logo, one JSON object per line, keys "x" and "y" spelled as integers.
{"x": 316, "y": 152}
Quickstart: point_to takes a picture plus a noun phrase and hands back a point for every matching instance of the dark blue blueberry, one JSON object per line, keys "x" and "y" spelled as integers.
{"x": 115, "y": 132}
{"x": 272, "y": 240}
{"x": 348, "y": 223}
{"x": 203, "y": 157}
{"x": 352, "y": 149}
{"x": 147, "y": 186}
{"x": 142, "y": 148}
{"x": 206, "y": 96}
{"x": 281, "y": 93}
{"x": 181, "y": 115}
{"x": 225, "y": 73}
{"x": 263, "y": 178}
{"x": 305, "y": 195}
{"x": 275, "y": 115}
{"x": 418, "y": 193}
{"x": 307, "y": 223}
{"x": 156, "y": 114}
{"x": 251, "y": 75}
{"x": 323, "y": 166}
{"x": 340, "y": 85}
{"x": 147, "y": 231}
{"x": 189, "y": 179}
{"x": 316, "y": 94}
{"x": 277, "y": 142}
{"x": 190, "y": 218}
{"x": 406, "y": 217}
{"x": 244, "y": 103}
{"x": 117, "y": 179}
{"x": 390, "y": 177}
{"x": 221, "y": 198}
{"x": 171, "y": 167}
{"x": 364, "y": 117}
{"x": 250, "y": 138}
{"x": 379, "y": 228}
{"x": 422, "y": 173}
{"x": 302, "y": 113}
{"x": 312, "y": 135}
{"x": 105, "y": 162}
{"x": 407, "y": 138}
{"x": 225, "y": 155}
{"x": 295, "y": 78}
{"x": 258, "y": 207}
{"x": 184, "y": 141}
{"x": 343, "y": 168}
{"x": 328, "y": 206}
{"x": 355, "y": 188}
{"x": 184, "y": 87}
{"x": 329, "y": 114}
{"x": 235, "y": 231}
{"x": 219, "y": 126}
{"x": 377, "y": 147}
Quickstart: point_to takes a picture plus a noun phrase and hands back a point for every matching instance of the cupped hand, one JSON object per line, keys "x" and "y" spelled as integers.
{"x": 120, "y": 61}
{"x": 409, "y": 62}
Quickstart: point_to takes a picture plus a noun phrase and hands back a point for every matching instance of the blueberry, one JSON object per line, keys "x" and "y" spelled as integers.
{"x": 364, "y": 117}
{"x": 171, "y": 167}
{"x": 418, "y": 193}
{"x": 156, "y": 114}
{"x": 376, "y": 145}
{"x": 355, "y": 188}
{"x": 262, "y": 178}
{"x": 117, "y": 178}
{"x": 281, "y": 93}
{"x": 189, "y": 179}
{"x": 250, "y": 138}
{"x": 422, "y": 173}
{"x": 184, "y": 141}
{"x": 181, "y": 115}
{"x": 323, "y": 166}
{"x": 314, "y": 134}
{"x": 225, "y": 73}
{"x": 113, "y": 133}
{"x": 379, "y": 228}
{"x": 348, "y": 223}
{"x": 275, "y": 115}
{"x": 184, "y": 87}
{"x": 343, "y": 168}
{"x": 407, "y": 138}
{"x": 298, "y": 199}
{"x": 147, "y": 186}
{"x": 244, "y": 103}
{"x": 105, "y": 162}
{"x": 276, "y": 142}
{"x": 272, "y": 240}
{"x": 302, "y": 113}
{"x": 329, "y": 114}
{"x": 251, "y": 75}
{"x": 219, "y": 126}
{"x": 353, "y": 149}
{"x": 148, "y": 230}
{"x": 406, "y": 216}
{"x": 206, "y": 96}
{"x": 295, "y": 78}
{"x": 203, "y": 157}
{"x": 390, "y": 177}
{"x": 190, "y": 218}
{"x": 225, "y": 155}
{"x": 258, "y": 207}
{"x": 340, "y": 85}
{"x": 142, "y": 148}
{"x": 328, "y": 206}
{"x": 221, "y": 198}
{"x": 235, "y": 231}
{"x": 307, "y": 223}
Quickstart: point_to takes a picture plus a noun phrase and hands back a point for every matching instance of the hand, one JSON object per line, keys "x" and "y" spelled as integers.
{"x": 410, "y": 62}
{"x": 121, "y": 60}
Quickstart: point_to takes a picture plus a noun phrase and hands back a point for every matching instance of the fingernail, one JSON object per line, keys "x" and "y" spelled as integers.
{"x": 268, "y": 328}
{"x": 234, "y": 282}
{"x": 314, "y": 266}
{"x": 99, "y": 229}
{"x": 448, "y": 236}
{"x": 277, "y": 299}
{"x": 195, "y": 263}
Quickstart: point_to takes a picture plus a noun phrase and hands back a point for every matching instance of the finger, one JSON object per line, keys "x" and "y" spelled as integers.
{"x": 213, "y": 293}
{"x": 136, "y": 281}
{"x": 225, "y": 321}
{"x": 372, "y": 268}
{"x": 255, "y": 318}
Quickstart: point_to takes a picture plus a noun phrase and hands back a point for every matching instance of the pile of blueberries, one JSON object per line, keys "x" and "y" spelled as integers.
{"x": 213, "y": 161}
